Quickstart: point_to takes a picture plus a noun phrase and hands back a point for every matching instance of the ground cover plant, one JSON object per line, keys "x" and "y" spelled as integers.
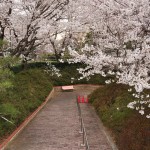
{"x": 129, "y": 129}
{"x": 30, "y": 88}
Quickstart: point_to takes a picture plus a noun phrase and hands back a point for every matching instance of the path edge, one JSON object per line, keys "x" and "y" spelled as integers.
{"x": 26, "y": 121}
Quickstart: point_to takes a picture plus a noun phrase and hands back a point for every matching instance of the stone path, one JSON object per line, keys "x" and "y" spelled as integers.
{"x": 95, "y": 132}
{"x": 56, "y": 127}
{"x": 98, "y": 137}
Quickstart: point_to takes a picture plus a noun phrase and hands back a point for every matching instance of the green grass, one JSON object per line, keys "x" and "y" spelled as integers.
{"x": 30, "y": 88}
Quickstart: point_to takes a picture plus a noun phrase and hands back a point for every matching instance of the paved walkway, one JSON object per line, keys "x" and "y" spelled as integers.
{"x": 57, "y": 126}
{"x": 98, "y": 137}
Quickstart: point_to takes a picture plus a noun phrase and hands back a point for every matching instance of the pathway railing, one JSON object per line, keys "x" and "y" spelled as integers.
{"x": 82, "y": 129}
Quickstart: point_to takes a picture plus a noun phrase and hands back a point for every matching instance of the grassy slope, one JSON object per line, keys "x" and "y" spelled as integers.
{"x": 30, "y": 89}
{"x": 131, "y": 130}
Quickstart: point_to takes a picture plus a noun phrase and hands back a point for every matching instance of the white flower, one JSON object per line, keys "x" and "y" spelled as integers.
{"x": 62, "y": 54}
{"x": 139, "y": 87}
{"x": 129, "y": 90}
{"x": 131, "y": 105}
{"x": 108, "y": 81}
{"x": 137, "y": 96}
{"x": 148, "y": 116}
{"x": 141, "y": 112}
{"x": 60, "y": 60}
{"x": 103, "y": 74}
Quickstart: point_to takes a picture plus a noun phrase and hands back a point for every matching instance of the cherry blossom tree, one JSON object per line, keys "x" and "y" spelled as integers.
{"x": 119, "y": 32}
{"x": 121, "y": 44}
{"x": 26, "y": 23}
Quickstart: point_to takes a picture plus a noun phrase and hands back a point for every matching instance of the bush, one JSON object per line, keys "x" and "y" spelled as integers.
{"x": 33, "y": 65}
{"x": 9, "y": 111}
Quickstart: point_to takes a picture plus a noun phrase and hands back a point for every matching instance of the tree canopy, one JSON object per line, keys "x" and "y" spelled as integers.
{"x": 112, "y": 37}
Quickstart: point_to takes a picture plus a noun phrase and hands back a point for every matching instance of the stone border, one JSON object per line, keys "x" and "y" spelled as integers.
{"x": 26, "y": 121}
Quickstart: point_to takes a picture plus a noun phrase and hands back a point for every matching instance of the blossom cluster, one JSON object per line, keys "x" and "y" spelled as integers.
{"x": 121, "y": 46}
{"x": 52, "y": 69}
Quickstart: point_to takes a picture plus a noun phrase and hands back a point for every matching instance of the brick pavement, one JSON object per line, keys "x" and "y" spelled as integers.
{"x": 56, "y": 127}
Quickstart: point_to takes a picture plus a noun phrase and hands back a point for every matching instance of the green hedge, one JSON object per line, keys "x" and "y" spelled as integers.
{"x": 69, "y": 71}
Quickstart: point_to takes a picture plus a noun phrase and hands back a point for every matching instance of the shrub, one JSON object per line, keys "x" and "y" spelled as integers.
{"x": 131, "y": 130}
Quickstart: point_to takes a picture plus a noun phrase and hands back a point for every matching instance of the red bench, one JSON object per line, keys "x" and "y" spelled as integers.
{"x": 66, "y": 88}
